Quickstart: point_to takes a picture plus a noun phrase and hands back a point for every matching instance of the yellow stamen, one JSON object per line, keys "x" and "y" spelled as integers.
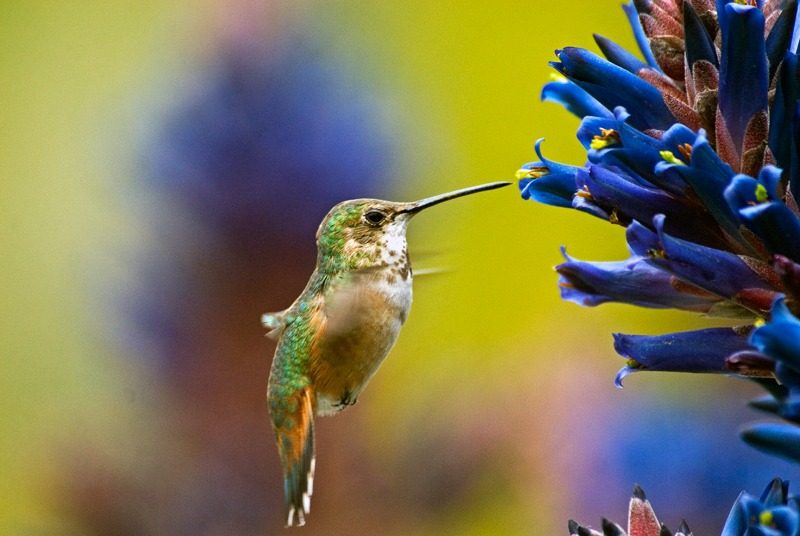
{"x": 608, "y": 136}
{"x": 761, "y": 194}
{"x": 555, "y": 77}
{"x": 766, "y": 518}
{"x": 532, "y": 173}
{"x": 760, "y": 322}
{"x": 669, "y": 157}
{"x": 609, "y": 133}
{"x": 656, "y": 253}
{"x": 584, "y": 193}
{"x": 633, "y": 363}
{"x": 614, "y": 217}
{"x": 686, "y": 152}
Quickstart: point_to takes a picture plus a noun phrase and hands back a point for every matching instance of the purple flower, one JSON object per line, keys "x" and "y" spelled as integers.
{"x": 684, "y": 150}
{"x": 696, "y": 151}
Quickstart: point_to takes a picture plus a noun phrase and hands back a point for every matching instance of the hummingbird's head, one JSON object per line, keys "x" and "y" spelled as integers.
{"x": 355, "y": 233}
{"x": 359, "y": 233}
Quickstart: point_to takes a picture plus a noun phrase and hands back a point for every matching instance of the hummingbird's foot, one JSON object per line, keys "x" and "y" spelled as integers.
{"x": 347, "y": 400}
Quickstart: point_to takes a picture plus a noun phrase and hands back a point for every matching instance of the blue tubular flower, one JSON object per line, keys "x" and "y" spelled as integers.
{"x": 618, "y": 55}
{"x": 699, "y": 45}
{"x": 613, "y": 86}
{"x": 700, "y": 161}
{"x": 613, "y": 143}
{"x": 547, "y": 182}
{"x": 781, "y": 440}
{"x": 783, "y": 133}
{"x": 761, "y": 210}
{"x": 617, "y": 193}
{"x": 743, "y": 64}
{"x": 639, "y": 35}
{"x": 776, "y": 225}
{"x": 633, "y": 281}
{"x": 573, "y": 98}
{"x": 701, "y": 269}
{"x": 718, "y": 272}
{"x": 705, "y": 350}
{"x": 780, "y": 341}
{"x": 708, "y": 175}
{"x": 774, "y": 514}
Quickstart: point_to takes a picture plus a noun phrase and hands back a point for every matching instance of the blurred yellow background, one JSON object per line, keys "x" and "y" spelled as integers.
{"x": 495, "y": 413}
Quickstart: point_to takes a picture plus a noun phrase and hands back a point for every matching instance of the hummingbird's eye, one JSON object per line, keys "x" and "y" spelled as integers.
{"x": 374, "y": 217}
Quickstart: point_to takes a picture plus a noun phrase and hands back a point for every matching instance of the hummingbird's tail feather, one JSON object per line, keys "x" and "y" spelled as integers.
{"x": 294, "y": 431}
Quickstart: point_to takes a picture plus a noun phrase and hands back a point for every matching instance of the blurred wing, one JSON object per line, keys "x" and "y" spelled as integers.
{"x": 274, "y": 322}
{"x": 294, "y": 433}
{"x": 347, "y": 299}
{"x": 431, "y": 271}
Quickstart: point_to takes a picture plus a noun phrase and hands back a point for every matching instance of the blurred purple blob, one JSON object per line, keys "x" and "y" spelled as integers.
{"x": 269, "y": 143}
{"x": 247, "y": 169}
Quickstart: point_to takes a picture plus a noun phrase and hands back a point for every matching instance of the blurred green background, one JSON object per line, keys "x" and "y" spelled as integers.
{"x": 495, "y": 413}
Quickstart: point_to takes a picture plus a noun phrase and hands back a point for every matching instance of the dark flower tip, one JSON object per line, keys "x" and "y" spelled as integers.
{"x": 750, "y": 363}
{"x": 611, "y": 529}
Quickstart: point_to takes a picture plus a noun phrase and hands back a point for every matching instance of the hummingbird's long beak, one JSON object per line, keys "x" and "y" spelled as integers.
{"x": 415, "y": 207}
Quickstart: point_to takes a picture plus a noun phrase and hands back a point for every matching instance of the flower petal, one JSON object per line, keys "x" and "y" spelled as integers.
{"x": 574, "y": 99}
{"x": 716, "y": 271}
{"x": 780, "y": 37}
{"x": 698, "y": 44}
{"x": 781, "y": 138}
{"x": 639, "y": 35}
{"x": 618, "y": 55}
{"x": 780, "y": 339}
{"x": 775, "y": 493}
{"x": 708, "y": 177}
{"x": 744, "y": 509}
{"x": 776, "y": 439}
{"x": 743, "y": 80}
{"x": 632, "y": 281}
{"x": 556, "y": 187}
{"x": 613, "y": 86}
{"x": 777, "y": 226}
{"x": 641, "y": 240}
{"x": 634, "y": 152}
{"x": 703, "y": 350}
{"x": 743, "y": 189}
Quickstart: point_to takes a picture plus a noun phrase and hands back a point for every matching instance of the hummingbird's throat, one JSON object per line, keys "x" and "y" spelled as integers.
{"x": 386, "y": 253}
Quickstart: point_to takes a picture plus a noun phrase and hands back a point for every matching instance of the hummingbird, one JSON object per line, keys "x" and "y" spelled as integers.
{"x": 334, "y": 337}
